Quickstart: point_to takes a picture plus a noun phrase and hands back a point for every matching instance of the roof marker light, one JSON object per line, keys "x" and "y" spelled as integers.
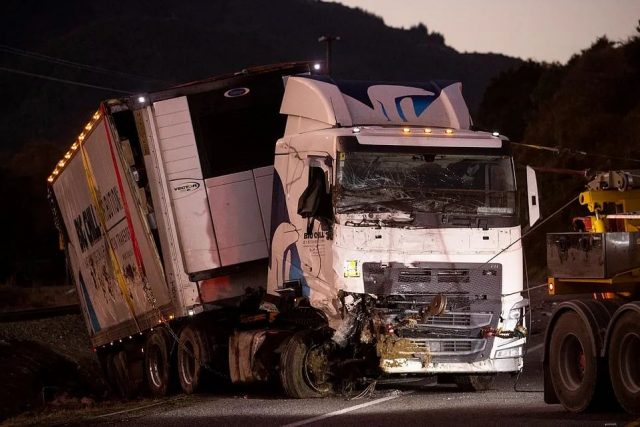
{"x": 96, "y": 115}
{"x": 406, "y": 130}
{"x": 448, "y": 131}
{"x": 495, "y": 133}
{"x": 61, "y": 163}
{"x": 55, "y": 171}
{"x": 67, "y": 155}
{"x": 88, "y": 126}
{"x": 74, "y": 146}
{"x": 427, "y": 130}
{"x": 50, "y": 179}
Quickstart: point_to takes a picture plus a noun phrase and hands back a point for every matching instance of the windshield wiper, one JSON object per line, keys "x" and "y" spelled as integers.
{"x": 462, "y": 203}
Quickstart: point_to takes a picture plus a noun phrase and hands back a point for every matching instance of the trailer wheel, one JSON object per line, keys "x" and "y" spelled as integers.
{"x": 304, "y": 367}
{"x": 572, "y": 362}
{"x": 157, "y": 363}
{"x": 193, "y": 356}
{"x": 624, "y": 361}
{"x": 474, "y": 382}
{"x": 117, "y": 368}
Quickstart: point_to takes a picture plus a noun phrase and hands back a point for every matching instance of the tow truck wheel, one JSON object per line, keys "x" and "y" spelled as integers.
{"x": 624, "y": 361}
{"x": 193, "y": 357}
{"x": 474, "y": 382}
{"x": 572, "y": 363}
{"x": 157, "y": 363}
{"x": 304, "y": 367}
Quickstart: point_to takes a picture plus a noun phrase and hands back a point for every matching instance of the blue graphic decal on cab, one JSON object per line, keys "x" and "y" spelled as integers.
{"x": 295, "y": 270}
{"x": 420, "y": 104}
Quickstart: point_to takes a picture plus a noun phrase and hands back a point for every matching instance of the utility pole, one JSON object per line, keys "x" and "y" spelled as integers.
{"x": 329, "y": 42}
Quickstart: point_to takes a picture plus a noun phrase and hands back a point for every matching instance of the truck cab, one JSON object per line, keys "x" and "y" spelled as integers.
{"x": 398, "y": 223}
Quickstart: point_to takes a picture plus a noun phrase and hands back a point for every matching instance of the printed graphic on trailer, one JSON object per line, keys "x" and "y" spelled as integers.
{"x": 97, "y": 269}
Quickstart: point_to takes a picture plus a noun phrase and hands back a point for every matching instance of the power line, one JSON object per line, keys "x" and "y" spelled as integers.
{"x": 56, "y": 79}
{"x": 92, "y": 68}
{"x": 560, "y": 150}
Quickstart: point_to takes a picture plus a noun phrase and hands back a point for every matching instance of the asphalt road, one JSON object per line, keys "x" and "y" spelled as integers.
{"x": 393, "y": 404}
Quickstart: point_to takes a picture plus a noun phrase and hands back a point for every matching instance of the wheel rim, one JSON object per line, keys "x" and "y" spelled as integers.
{"x": 156, "y": 366}
{"x": 573, "y": 362}
{"x": 629, "y": 357}
{"x": 316, "y": 369}
{"x": 188, "y": 363}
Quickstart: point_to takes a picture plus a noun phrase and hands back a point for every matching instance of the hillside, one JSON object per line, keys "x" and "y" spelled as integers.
{"x": 144, "y": 45}
{"x": 588, "y": 109}
{"x": 169, "y": 43}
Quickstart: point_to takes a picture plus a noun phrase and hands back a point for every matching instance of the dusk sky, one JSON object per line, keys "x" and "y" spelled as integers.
{"x": 543, "y": 30}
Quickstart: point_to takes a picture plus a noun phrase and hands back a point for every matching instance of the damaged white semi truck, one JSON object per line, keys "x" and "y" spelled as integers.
{"x": 278, "y": 225}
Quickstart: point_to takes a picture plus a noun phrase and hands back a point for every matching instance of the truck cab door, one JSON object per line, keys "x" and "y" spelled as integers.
{"x": 307, "y": 258}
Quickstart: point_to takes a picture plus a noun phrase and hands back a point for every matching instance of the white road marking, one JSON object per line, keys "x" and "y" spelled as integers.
{"x": 346, "y": 410}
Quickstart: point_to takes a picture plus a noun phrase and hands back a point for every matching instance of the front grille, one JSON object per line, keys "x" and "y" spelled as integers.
{"x": 458, "y": 320}
{"x": 455, "y": 320}
{"x": 453, "y": 276}
{"x": 447, "y": 325}
{"x": 418, "y": 275}
{"x": 417, "y": 301}
{"x": 449, "y": 347}
{"x": 473, "y": 302}
{"x": 459, "y": 279}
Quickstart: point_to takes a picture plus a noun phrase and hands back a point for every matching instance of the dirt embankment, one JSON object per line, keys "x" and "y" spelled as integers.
{"x": 47, "y": 362}
{"x": 13, "y": 298}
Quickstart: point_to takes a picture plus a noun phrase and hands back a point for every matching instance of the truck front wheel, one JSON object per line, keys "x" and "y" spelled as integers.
{"x": 572, "y": 362}
{"x": 193, "y": 357}
{"x": 624, "y": 361}
{"x": 304, "y": 367}
{"x": 474, "y": 382}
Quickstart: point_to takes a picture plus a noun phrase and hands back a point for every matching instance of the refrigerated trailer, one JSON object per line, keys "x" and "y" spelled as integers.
{"x": 279, "y": 224}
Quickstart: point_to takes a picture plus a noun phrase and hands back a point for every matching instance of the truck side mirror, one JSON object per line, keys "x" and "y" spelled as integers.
{"x": 533, "y": 201}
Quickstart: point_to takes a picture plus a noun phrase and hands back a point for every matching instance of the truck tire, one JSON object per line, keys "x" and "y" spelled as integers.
{"x": 118, "y": 371}
{"x": 157, "y": 363}
{"x": 624, "y": 361}
{"x": 304, "y": 367}
{"x": 474, "y": 382}
{"x": 572, "y": 362}
{"x": 193, "y": 358}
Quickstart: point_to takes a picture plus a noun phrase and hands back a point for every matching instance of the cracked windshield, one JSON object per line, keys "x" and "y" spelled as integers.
{"x": 403, "y": 182}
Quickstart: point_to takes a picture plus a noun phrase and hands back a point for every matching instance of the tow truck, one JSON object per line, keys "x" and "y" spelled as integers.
{"x": 592, "y": 346}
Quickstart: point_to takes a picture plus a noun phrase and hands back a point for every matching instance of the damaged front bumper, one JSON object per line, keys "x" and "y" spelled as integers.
{"x": 425, "y": 356}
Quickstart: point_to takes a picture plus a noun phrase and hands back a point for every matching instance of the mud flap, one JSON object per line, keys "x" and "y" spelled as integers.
{"x": 243, "y": 346}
